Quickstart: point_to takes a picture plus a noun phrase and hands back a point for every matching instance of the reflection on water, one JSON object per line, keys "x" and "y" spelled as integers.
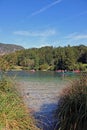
{"x": 41, "y": 76}
{"x": 40, "y": 91}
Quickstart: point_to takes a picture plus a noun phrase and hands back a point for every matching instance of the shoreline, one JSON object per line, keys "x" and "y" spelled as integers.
{"x": 42, "y": 100}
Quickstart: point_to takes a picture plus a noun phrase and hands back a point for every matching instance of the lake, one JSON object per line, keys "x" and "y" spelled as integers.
{"x": 41, "y": 76}
{"x": 40, "y": 92}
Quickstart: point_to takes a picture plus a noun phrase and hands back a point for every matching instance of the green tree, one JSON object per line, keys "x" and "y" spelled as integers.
{"x": 69, "y": 58}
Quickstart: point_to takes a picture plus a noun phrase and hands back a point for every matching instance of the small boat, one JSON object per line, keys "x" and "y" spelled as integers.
{"x": 32, "y": 70}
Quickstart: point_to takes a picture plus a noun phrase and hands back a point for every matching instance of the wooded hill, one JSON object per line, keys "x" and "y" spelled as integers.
{"x": 47, "y": 58}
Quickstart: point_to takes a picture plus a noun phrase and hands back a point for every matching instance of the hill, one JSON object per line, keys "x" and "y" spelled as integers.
{"x": 9, "y": 48}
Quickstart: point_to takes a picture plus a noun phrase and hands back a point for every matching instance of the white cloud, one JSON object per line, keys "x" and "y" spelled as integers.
{"x": 44, "y": 33}
{"x": 43, "y": 45}
{"x": 76, "y": 36}
{"x": 45, "y": 8}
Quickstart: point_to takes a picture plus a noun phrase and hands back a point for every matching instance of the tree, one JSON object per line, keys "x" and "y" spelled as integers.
{"x": 69, "y": 58}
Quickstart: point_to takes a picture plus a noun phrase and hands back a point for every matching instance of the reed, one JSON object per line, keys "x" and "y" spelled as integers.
{"x": 72, "y": 108}
{"x": 13, "y": 113}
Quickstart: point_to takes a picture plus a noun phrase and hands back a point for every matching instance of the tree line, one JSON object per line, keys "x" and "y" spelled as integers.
{"x": 47, "y": 58}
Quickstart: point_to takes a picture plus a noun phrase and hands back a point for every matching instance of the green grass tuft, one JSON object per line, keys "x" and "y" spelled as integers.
{"x": 72, "y": 108}
{"x": 13, "y": 113}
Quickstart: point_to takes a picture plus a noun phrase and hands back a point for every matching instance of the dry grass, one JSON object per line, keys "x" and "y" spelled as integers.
{"x": 72, "y": 108}
{"x": 13, "y": 113}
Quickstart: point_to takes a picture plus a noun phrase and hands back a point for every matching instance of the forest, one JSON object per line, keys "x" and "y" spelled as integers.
{"x": 47, "y": 58}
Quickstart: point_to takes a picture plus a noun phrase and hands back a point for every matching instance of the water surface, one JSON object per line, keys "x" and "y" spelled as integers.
{"x": 40, "y": 91}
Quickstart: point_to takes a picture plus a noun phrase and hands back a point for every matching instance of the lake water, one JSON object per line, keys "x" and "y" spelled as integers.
{"x": 40, "y": 92}
{"x": 41, "y": 76}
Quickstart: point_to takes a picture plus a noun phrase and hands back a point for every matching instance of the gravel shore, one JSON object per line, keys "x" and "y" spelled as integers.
{"x": 42, "y": 99}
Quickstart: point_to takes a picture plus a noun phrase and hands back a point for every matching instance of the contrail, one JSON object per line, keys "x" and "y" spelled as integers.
{"x": 45, "y": 8}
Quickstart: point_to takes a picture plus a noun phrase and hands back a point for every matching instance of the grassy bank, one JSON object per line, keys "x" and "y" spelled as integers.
{"x": 13, "y": 113}
{"x": 72, "y": 107}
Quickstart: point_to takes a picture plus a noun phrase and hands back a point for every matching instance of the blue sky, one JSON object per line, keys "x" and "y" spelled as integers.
{"x": 37, "y": 23}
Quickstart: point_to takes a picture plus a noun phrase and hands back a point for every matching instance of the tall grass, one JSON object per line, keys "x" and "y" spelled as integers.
{"x": 72, "y": 108}
{"x": 13, "y": 113}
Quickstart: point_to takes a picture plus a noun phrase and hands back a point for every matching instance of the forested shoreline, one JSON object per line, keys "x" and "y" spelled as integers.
{"x": 47, "y": 58}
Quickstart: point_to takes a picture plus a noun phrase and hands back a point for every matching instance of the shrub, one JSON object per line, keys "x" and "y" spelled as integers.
{"x": 72, "y": 108}
{"x": 44, "y": 67}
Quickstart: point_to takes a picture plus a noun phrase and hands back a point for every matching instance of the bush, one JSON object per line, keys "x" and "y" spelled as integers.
{"x": 72, "y": 108}
{"x": 44, "y": 67}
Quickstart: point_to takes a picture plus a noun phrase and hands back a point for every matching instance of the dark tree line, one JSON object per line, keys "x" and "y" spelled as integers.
{"x": 47, "y": 58}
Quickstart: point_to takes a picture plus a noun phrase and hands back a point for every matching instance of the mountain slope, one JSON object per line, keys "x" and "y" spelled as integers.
{"x": 9, "y": 48}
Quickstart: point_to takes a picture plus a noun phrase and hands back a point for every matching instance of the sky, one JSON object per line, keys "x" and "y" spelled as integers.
{"x": 38, "y": 23}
